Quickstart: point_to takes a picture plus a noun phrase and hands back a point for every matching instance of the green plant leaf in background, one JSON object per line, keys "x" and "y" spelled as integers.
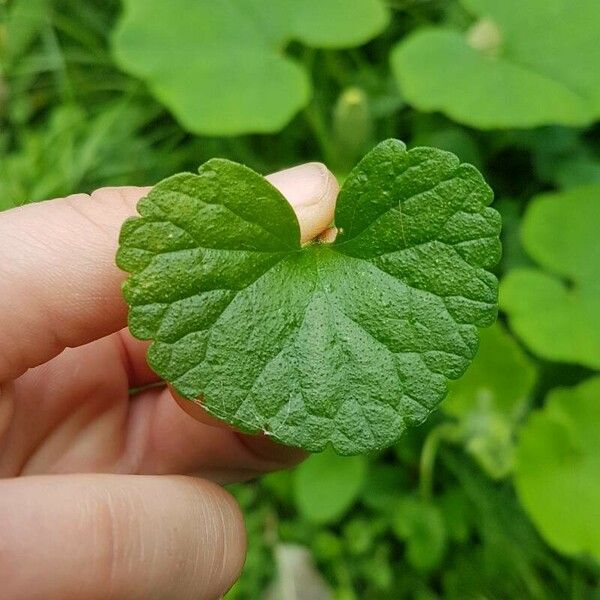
{"x": 327, "y": 485}
{"x": 345, "y": 343}
{"x": 457, "y": 514}
{"x": 448, "y": 137}
{"x": 500, "y": 378}
{"x": 421, "y": 525}
{"x": 220, "y": 67}
{"x": 525, "y": 63}
{"x": 93, "y": 149}
{"x": 384, "y": 483}
{"x": 556, "y": 311}
{"x": 563, "y": 157}
{"x": 513, "y": 253}
{"x": 557, "y": 472}
{"x": 490, "y": 398}
{"x": 24, "y": 20}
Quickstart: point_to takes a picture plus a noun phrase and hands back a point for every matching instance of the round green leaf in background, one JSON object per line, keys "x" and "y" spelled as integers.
{"x": 557, "y": 473}
{"x": 421, "y": 525}
{"x": 525, "y": 63}
{"x": 327, "y": 485}
{"x": 220, "y": 66}
{"x": 556, "y": 311}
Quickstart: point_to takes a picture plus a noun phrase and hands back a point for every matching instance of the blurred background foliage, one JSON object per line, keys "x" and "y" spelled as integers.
{"x": 498, "y": 495}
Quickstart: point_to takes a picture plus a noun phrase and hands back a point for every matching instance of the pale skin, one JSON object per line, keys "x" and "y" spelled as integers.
{"x": 105, "y": 495}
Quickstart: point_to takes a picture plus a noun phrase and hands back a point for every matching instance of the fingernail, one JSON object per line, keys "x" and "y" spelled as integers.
{"x": 302, "y": 185}
{"x": 312, "y": 190}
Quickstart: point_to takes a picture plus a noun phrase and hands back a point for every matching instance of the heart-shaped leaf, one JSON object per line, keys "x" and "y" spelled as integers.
{"x": 327, "y": 485}
{"x": 345, "y": 343}
{"x": 557, "y": 472}
{"x": 556, "y": 311}
{"x": 219, "y": 65}
{"x": 525, "y": 63}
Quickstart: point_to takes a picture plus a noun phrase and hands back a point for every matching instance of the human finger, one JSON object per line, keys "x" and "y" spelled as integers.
{"x": 114, "y": 536}
{"x": 59, "y": 284}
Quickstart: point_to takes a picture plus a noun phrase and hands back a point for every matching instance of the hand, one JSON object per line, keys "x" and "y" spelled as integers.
{"x": 83, "y": 514}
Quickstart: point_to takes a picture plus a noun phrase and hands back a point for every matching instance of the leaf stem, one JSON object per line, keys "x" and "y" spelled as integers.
{"x": 444, "y": 432}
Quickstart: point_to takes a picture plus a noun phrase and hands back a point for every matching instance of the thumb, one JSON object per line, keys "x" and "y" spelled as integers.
{"x": 87, "y": 537}
{"x": 312, "y": 191}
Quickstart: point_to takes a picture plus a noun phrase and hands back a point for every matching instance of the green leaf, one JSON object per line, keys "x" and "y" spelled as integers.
{"x": 25, "y": 20}
{"x": 556, "y": 311}
{"x": 384, "y": 484}
{"x": 421, "y": 525}
{"x": 326, "y": 546}
{"x": 500, "y": 379}
{"x": 451, "y": 138}
{"x": 525, "y": 63}
{"x": 557, "y": 472}
{"x": 327, "y": 485}
{"x": 359, "y": 536}
{"x": 220, "y": 66}
{"x": 513, "y": 253}
{"x": 578, "y": 170}
{"x": 279, "y": 486}
{"x": 563, "y": 157}
{"x": 344, "y": 344}
{"x": 379, "y": 568}
{"x": 490, "y": 398}
{"x": 456, "y": 513}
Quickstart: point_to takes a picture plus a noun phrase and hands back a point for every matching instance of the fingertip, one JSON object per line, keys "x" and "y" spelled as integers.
{"x": 217, "y": 505}
{"x": 100, "y": 536}
{"x": 312, "y": 190}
